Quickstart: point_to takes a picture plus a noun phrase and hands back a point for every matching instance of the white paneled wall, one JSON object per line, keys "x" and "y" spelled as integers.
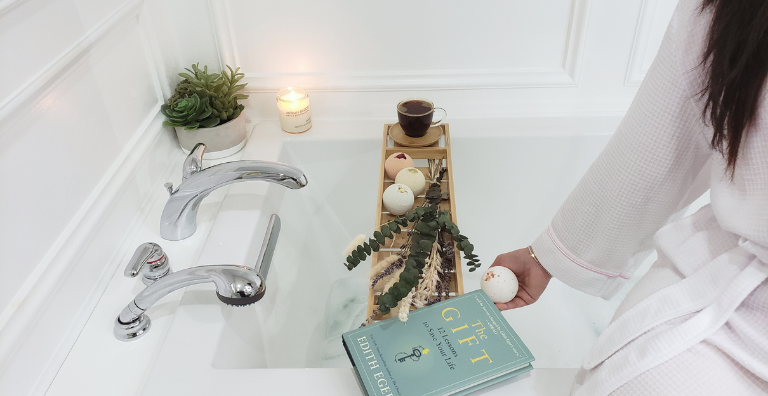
{"x": 396, "y": 45}
{"x": 81, "y": 151}
{"x": 82, "y": 148}
{"x": 477, "y": 59}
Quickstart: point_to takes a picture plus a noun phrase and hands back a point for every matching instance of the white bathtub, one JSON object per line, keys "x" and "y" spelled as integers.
{"x": 508, "y": 186}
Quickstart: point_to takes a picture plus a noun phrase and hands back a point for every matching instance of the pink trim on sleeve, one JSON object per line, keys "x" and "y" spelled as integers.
{"x": 576, "y": 261}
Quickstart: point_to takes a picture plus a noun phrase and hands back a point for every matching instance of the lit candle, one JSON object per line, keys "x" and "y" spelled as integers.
{"x": 293, "y": 106}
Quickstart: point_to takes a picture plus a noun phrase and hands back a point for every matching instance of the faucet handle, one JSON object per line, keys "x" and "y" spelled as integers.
{"x": 194, "y": 162}
{"x": 169, "y": 186}
{"x": 268, "y": 247}
{"x": 150, "y": 258}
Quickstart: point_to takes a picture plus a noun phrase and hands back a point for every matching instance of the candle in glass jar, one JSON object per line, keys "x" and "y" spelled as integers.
{"x": 293, "y": 107}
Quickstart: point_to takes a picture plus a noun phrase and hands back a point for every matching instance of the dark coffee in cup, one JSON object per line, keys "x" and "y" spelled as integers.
{"x": 415, "y": 116}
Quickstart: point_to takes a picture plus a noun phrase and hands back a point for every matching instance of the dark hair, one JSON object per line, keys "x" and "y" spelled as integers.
{"x": 736, "y": 65}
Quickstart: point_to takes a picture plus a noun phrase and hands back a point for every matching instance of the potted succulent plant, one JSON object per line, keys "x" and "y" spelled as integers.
{"x": 204, "y": 109}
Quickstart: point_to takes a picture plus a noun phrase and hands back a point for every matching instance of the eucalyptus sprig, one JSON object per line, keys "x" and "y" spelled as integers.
{"x": 428, "y": 222}
{"x": 430, "y": 231}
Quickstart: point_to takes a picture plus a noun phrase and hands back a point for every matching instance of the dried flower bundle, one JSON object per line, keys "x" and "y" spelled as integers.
{"x": 420, "y": 273}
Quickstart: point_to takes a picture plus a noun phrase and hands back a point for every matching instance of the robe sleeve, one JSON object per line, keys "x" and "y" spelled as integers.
{"x": 651, "y": 169}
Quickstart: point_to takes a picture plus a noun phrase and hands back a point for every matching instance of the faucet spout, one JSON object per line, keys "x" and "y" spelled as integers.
{"x": 179, "y": 218}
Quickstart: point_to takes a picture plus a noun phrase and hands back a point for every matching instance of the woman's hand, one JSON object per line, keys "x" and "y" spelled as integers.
{"x": 531, "y": 276}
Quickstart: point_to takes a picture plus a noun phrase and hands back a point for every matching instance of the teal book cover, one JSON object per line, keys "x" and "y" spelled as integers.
{"x": 453, "y": 347}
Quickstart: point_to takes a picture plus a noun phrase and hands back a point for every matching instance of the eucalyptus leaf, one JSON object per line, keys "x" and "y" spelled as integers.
{"x": 411, "y": 216}
{"x": 361, "y": 252}
{"x": 421, "y": 255}
{"x": 410, "y": 278}
{"x": 400, "y": 289}
{"x": 423, "y": 228}
{"x": 425, "y": 245}
{"x": 411, "y": 271}
{"x": 386, "y": 301}
{"x": 379, "y": 238}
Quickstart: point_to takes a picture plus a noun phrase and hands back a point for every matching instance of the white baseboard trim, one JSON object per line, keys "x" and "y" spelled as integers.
{"x": 413, "y": 81}
{"x": 42, "y": 323}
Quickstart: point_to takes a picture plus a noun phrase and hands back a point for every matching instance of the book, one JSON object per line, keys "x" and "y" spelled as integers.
{"x": 453, "y": 347}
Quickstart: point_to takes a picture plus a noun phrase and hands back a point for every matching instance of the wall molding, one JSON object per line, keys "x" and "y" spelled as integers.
{"x": 642, "y": 45}
{"x": 42, "y": 322}
{"x": 221, "y": 21}
{"x": 18, "y": 103}
{"x": 32, "y": 339}
{"x": 154, "y": 53}
{"x": 567, "y": 75}
{"x": 576, "y": 39}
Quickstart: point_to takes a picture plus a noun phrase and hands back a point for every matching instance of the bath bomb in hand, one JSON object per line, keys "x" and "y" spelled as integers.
{"x": 499, "y": 283}
{"x": 397, "y": 162}
{"x": 413, "y": 178}
{"x": 398, "y": 199}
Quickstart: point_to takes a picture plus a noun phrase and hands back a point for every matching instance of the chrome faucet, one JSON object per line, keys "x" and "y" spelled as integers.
{"x": 179, "y": 218}
{"x": 235, "y": 285}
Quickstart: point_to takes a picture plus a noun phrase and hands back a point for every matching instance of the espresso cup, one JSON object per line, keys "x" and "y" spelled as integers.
{"x": 415, "y": 116}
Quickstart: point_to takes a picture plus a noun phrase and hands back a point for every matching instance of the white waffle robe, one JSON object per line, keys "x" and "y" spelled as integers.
{"x": 697, "y": 323}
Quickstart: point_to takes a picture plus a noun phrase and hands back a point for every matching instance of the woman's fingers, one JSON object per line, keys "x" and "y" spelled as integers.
{"x": 516, "y": 302}
{"x": 532, "y": 279}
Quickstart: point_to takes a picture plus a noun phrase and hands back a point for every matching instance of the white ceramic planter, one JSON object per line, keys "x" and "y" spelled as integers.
{"x": 220, "y": 141}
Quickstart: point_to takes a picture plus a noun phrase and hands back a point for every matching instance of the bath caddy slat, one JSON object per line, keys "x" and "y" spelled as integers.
{"x": 441, "y": 150}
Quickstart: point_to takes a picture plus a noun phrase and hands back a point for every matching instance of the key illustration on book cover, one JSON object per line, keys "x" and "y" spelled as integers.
{"x": 415, "y": 354}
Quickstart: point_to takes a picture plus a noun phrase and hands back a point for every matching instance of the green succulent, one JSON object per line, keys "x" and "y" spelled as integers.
{"x": 190, "y": 113}
{"x": 216, "y": 92}
{"x": 220, "y": 88}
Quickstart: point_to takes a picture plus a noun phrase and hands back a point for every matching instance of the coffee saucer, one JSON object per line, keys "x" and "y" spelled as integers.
{"x": 398, "y": 135}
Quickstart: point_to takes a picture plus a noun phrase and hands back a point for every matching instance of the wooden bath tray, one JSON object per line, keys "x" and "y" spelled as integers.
{"x": 440, "y": 150}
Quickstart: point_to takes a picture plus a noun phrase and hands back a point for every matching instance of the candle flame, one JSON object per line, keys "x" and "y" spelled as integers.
{"x": 291, "y": 96}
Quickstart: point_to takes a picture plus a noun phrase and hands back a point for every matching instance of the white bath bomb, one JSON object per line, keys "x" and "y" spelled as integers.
{"x": 499, "y": 283}
{"x": 398, "y": 199}
{"x": 413, "y": 178}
